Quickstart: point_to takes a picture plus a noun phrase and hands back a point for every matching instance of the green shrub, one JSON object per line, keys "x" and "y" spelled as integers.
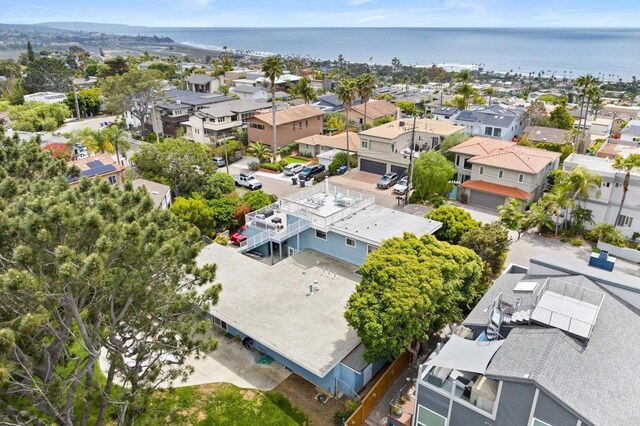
{"x": 272, "y": 167}
{"x": 339, "y": 160}
{"x": 607, "y": 234}
{"x": 342, "y": 415}
{"x": 437, "y": 201}
{"x": 253, "y": 166}
{"x": 283, "y": 163}
{"x": 576, "y": 242}
{"x": 285, "y": 405}
{"x": 257, "y": 199}
{"x": 455, "y": 223}
{"x": 221, "y": 239}
{"x": 284, "y": 151}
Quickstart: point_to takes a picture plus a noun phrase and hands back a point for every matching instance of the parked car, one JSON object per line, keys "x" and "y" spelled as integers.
{"x": 388, "y": 180}
{"x": 402, "y": 186}
{"x": 293, "y": 169}
{"x": 238, "y": 237}
{"x": 219, "y": 161}
{"x": 407, "y": 152}
{"x": 248, "y": 181}
{"x": 310, "y": 171}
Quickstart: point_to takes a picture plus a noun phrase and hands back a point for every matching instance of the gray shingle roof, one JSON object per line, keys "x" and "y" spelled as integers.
{"x": 493, "y": 115}
{"x": 199, "y": 78}
{"x": 445, "y": 110}
{"x": 597, "y": 379}
{"x": 545, "y": 134}
{"x": 248, "y": 89}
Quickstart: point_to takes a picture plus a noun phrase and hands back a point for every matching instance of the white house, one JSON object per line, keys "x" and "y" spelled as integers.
{"x": 631, "y": 131}
{"x": 46, "y": 97}
{"x": 495, "y": 121}
{"x": 605, "y": 206}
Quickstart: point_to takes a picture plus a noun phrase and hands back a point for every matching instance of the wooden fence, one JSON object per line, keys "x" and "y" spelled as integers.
{"x": 378, "y": 390}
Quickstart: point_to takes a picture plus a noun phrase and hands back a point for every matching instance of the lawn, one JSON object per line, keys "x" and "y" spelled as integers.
{"x": 220, "y": 404}
{"x": 291, "y": 159}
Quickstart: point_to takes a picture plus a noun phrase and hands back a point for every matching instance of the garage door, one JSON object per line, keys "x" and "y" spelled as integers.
{"x": 373, "y": 167}
{"x": 400, "y": 170}
{"x": 483, "y": 199}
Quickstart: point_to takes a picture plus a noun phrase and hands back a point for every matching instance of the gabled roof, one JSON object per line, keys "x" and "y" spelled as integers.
{"x": 157, "y": 191}
{"x": 248, "y": 89}
{"x": 494, "y": 188}
{"x": 504, "y": 154}
{"x": 494, "y": 115}
{"x": 289, "y": 115}
{"x": 200, "y": 78}
{"x": 591, "y": 378}
{"x": 445, "y": 110}
{"x": 377, "y": 109}
{"x": 545, "y": 134}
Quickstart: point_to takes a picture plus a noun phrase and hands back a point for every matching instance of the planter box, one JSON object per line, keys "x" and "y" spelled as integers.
{"x": 262, "y": 169}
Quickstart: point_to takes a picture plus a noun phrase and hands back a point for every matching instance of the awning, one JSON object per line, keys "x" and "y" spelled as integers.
{"x": 466, "y": 355}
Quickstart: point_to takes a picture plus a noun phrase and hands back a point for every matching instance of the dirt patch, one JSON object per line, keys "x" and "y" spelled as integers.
{"x": 210, "y": 388}
{"x": 248, "y": 395}
{"x": 302, "y": 394}
{"x": 201, "y": 416}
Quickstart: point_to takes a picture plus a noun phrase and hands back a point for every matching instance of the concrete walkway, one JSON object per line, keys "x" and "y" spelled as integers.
{"x": 229, "y": 363}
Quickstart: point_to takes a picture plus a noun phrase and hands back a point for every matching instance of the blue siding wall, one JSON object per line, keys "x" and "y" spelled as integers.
{"x": 350, "y": 381}
{"x": 327, "y": 382}
{"x": 335, "y": 246}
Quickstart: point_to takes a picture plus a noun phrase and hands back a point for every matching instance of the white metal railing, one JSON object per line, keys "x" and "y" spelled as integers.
{"x": 257, "y": 240}
{"x": 572, "y": 320}
{"x": 291, "y": 230}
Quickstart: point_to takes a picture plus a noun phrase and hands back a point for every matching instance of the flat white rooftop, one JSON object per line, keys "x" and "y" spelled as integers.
{"x": 272, "y": 304}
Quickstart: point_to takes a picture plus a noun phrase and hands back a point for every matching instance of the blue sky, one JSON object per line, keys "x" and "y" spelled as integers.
{"x": 328, "y": 13}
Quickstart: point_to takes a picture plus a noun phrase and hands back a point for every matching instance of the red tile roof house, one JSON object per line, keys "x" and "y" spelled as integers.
{"x": 490, "y": 171}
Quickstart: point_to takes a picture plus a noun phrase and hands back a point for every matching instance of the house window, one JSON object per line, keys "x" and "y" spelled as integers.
{"x": 364, "y": 143}
{"x": 481, "y": 170}
{"x": 520, "y": 178}
{"x": 497, "y": 132}
{"x": 624, "y": 221}
{"x": 371, "y": 249}
{"x": 294, "y": 126}
{"x": 488, "y": 131}
{"x": 467, "y": 164}
{"x": 256, "y": 126}
{"x": 113, "y": 180}
{"x": 537, "y": 422}
{"x": 427, "y": 417}
{"x": 606, "y": 184}
{"x": 617, "y": 185}
{"x": 500, "y": 174}
{"x": 219, "y": 323}
{"x": 321, "y": 235}
{"x": 350, "y": 242}
{"x": 435, "y": 142}
{"x": 306, "y": 123}
{"x": 457, "y": 161}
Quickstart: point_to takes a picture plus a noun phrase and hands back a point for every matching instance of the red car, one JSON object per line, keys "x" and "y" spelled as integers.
{"x": 238, "y": 237}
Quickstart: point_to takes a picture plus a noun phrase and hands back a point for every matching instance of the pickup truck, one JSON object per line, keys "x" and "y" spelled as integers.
{"x": 248, "y": 181}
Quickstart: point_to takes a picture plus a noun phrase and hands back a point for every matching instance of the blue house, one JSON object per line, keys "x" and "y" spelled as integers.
{"x": 339, "y": 222}
{"x": 290, "y": 305}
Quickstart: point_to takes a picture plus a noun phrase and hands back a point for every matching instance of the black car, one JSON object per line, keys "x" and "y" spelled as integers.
{"x": 310, "y": 171}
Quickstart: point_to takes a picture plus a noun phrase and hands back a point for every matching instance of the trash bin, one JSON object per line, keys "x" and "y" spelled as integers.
{"x": 302, "y": 183}
{"x": 294, "y": 180}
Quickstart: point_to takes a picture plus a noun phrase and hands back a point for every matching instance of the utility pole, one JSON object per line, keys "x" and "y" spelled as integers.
{"x": 413, "y": 135}
{"x": 75, "y": 96}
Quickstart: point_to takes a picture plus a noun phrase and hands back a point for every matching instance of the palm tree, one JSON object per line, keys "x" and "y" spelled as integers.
{"x": 489, "y": 91}
{"x": 116, "y": 137}
{"x": 366, "y": 84}
{"x": 580, "y": 182}
{"x": 588, "y": 87}
{"x": 305, "y": 91}
{"x": 555, "y": 204}
{"x": 464, "y": 76}
{"x": 273, "y": 67}
{"x": 467, "y": 92}
{"x": 630, "y": 164}
{"x": 346, "y": 92}
{"x": 258, "y": 150}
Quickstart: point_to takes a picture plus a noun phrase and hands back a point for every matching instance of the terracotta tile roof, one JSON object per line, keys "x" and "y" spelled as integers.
{"x": 289, "y": 115}
{"x": 518, "y": 158}
{"x": 494, "y": 188}
{"x": 338, "y": 141}
{"x": 377, "y": 109}
{"x": 504, "y": 154}
{"x": 479, "y": 145}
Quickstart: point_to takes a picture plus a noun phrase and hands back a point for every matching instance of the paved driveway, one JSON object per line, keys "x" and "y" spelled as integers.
{"x": 229, "y": 363}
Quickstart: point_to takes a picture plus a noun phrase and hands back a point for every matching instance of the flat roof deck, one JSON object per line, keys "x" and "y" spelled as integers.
{"x": 272, "y": 304}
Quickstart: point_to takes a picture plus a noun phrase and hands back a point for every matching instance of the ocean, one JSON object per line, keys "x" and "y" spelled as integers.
{"x": 614, "y": 53}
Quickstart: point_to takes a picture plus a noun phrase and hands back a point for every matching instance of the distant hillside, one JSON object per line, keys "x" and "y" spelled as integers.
{"x": 97, "y": 27}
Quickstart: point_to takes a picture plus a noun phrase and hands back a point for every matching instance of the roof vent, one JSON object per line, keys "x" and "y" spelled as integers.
{"x": 525, "y": 286}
